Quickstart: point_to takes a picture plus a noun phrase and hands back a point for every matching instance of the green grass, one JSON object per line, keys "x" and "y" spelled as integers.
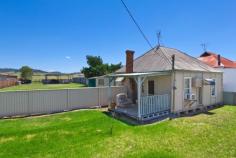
{"x": 38, "y": 77}
{"x": 87, "y": 133}
{"x": 38, "y": 85}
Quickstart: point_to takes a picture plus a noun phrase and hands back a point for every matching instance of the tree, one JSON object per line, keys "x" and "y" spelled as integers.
{"x": 26, "y": 73}
{"x": 97, "y": 67}
{"x": 93, "y": 61}
{"x": 114, "y": 67}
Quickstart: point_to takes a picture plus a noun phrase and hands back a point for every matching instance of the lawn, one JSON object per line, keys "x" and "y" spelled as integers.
{"x": 87, "y": 133}
{"x": 39, "y": 85}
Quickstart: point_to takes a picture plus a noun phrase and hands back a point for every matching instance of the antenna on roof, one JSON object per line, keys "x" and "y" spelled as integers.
{"x": 204, "y": 47}
{"x": 159, "y": 38}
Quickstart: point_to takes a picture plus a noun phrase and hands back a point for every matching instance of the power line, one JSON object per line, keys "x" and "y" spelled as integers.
{"x": 142, "y": 33}
{"x": 136, "y": 23}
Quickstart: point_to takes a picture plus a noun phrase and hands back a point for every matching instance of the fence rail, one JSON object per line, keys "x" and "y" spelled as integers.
{"x": 154, "y": 104}
{"x": 48, "y": 101}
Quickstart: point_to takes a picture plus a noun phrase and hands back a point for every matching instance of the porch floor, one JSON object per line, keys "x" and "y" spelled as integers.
{"x": 130, "y": 110}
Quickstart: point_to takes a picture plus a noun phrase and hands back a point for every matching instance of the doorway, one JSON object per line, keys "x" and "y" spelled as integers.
{"x": 199, "y": 95}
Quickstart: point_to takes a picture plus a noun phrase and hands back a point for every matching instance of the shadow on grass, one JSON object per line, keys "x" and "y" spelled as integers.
{"x": 208, "y": 113}
{"x": 123, "y": 119}
{"x": 193, "y": 114}
{"x": 133, "y": 122}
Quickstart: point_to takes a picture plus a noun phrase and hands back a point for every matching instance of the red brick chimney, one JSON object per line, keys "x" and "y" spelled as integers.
{"x": 219, "y": 59}
{"x": 129, "y": 61}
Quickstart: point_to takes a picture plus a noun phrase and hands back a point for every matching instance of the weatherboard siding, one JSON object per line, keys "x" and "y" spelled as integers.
{"x": 162, "y": 85}
{"x": 207, "y": 99}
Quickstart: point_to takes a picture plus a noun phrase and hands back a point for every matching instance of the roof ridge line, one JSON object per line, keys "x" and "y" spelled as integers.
{"x": 195, "y": 59}
{"x": 144, "y": 53}
{"x": 166, "y": 56}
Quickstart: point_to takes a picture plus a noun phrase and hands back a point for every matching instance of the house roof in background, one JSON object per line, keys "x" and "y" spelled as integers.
{"x": 159, "y": 59}
{"x": 211, "y": 59}
{"x": 7, "y": 75}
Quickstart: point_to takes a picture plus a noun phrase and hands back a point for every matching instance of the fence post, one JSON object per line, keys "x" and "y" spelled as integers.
{"x": 98, "y": 96}
{"x": 28, "y": 103}
{"x": 67, "y": 101}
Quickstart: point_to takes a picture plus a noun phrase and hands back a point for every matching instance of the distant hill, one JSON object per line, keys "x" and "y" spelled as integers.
{"x": 4, "y": 70}
{"x": 12, "y": 70}
{"x": 37, "y": 71}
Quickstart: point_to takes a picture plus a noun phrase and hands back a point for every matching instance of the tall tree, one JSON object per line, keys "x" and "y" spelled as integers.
{"x": 26, "y": 73}
{"x": 96, "y": 67}
{"x": 114, "y": 67}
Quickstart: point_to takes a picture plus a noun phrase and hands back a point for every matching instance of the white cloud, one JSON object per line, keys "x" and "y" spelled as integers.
{"x": 68, "y": 57}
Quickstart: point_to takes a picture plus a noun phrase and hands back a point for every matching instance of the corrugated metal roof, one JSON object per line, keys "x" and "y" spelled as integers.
{"x": 212, "y": 60}
{"x": 7, "y": 75}
{"x": 158, "y": 59}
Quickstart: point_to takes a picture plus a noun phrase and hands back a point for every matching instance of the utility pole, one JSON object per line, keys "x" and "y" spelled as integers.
{"x": 173, "y": 62}
{"x": 173, "y": 83}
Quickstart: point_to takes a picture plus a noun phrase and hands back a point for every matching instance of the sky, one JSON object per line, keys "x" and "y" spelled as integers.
{"x": 56, "y": 35}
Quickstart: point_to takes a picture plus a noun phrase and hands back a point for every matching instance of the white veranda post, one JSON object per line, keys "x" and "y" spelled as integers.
{"x": 139, "y": 81}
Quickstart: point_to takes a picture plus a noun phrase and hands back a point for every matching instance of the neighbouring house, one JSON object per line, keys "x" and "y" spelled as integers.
{"x": 7, "y": 80}
{"x": 101, "y": 81}
{"x": 229, "y": 68}
{"x": 92, "y": 82}
{"x": 98, "y": 81}
{"x": 57, "y": 78}
{"x": 166, "y": 81}
{"x": 80, "y": 78}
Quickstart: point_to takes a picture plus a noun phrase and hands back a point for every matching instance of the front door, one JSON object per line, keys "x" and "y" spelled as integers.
{"x": 199, "y": 95}
{"x": 151, "y": 87}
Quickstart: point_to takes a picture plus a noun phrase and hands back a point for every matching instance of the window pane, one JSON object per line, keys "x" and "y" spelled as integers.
{"x": 187, "y": 86}
{"x": 187, "y": 91}
{"x": 101, "y": 82}
{"x": 187, "y": 83}
{"x": 213, "y": 90}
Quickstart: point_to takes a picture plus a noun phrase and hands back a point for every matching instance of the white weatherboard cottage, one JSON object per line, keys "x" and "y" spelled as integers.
{"x": 165, "y": 80}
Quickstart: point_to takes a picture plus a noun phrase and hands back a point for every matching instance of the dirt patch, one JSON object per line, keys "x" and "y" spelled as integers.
{"x": 6, "y": 139}
{"x": 29, "y": 137}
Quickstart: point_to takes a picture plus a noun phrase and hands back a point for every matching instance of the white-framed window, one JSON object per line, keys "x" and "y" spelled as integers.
{"x": 213, "y": 88}
{"x": 101, "y": 82}
{"x": 187, "y": 87}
